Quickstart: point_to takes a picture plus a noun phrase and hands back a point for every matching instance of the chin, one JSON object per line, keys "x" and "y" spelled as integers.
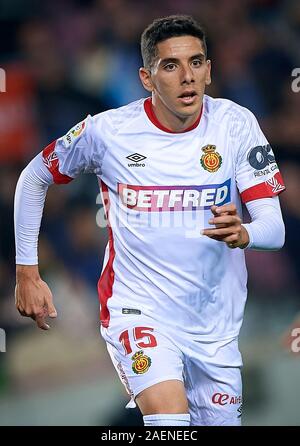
{"x": 189, "y": 110}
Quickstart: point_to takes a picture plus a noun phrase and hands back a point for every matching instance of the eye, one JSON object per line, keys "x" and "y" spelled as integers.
{"x": 170, "y": 67}
{"x": 197, "y": 63}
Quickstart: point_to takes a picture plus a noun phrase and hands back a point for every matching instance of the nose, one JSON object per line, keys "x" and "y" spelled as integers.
{"x": 187, "y": 74}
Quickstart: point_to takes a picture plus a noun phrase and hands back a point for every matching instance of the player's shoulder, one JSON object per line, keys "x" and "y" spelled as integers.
{"x": 115, "y": 119}
{"x": 218, "y": 109}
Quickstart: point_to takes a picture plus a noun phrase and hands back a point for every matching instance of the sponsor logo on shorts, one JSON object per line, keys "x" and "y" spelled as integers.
{"x": 240, "y": 411}
{"x": 141, "y": 362}
{"x": 174, "y": 198}
{"x": 131, "y": 311}
{"x": 222, "y": 399}
{"x": 210, "y": 160}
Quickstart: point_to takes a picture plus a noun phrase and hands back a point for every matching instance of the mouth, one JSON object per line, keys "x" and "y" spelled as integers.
{"x": 188, "y": 97}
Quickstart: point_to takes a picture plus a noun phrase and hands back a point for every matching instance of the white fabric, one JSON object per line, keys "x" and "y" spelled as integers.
{"x": 210, "y": 371}
{"x": 80, "y": 150}
{"x": 29, "y": 204}
{"x": 266, "y": 230}
{"x": 177, "y": 419}
{"x": 159, "y": 261}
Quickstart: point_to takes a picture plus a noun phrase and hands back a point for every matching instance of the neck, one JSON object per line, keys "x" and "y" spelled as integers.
{"x": 169, "y": 120}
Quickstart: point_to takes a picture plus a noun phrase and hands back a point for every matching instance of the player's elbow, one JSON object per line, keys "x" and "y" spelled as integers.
{"x": 281, "y": 235}
{"x": 279, "y": 240}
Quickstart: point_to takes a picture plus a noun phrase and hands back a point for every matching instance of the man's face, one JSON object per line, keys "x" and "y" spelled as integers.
{"x": 179, "y": 75}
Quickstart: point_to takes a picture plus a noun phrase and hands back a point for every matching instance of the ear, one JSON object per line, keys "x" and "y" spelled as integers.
{"x": 146, "y": 80}
{"x": 208, "y": 73}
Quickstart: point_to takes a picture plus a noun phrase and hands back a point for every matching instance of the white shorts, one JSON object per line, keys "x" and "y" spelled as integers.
{"x": 144, "y": 354}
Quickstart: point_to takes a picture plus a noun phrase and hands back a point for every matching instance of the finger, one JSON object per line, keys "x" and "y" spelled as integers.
{"x": 51, "y": 308}
{"x": 230, "y": 208}
{"x": 234, "y": 238}
{"x": 217, "y": 214}
{"x": 218, "y": 238}
{"x": 225, "y": 219}
{"x": 22, "y": 312}
{"x": 232, "y": 245}
{"x": 213, "y": 209}
{"x": 40, "y": 321}
{"x": 231, "y": 241}
{"x": 220, "y": 226}
{"x": 220, "y": 231}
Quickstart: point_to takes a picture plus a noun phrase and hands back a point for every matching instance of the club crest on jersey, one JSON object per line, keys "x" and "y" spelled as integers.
{"x": 141, "y": 362}
{"x": 210, "y": 160}
{"x": 73, "y": 133}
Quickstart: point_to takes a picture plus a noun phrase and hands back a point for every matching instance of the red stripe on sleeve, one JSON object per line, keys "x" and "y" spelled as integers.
{"x": 51, "y": 161}
{"x": 270, "y": 188}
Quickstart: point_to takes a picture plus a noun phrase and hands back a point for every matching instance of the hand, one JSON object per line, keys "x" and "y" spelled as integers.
{"x": 229, "y": 227}
{"x": 33, "y": 296}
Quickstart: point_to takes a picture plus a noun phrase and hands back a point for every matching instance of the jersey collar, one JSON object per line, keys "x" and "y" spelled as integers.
{"x": 151, "y": 115}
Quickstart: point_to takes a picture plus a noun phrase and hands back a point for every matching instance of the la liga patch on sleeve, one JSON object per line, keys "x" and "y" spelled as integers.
{"x": 74, "y": 133}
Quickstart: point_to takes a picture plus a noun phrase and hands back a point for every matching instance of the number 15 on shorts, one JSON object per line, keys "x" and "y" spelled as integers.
{"x": 143, "y": 338}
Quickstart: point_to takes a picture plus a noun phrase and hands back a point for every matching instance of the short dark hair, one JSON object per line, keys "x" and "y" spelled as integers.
{"x": 165, "y": 28}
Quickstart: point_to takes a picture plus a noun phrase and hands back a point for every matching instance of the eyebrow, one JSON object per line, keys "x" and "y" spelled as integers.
{"x": 174, "y": 59}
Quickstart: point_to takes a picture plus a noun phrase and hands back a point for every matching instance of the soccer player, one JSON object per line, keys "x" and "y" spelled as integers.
{"x": 173, "y": 170}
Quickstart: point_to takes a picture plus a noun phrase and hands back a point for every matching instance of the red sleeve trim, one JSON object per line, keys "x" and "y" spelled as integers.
{"x": 51, "y": 161}
{"x": 270, "y": 188}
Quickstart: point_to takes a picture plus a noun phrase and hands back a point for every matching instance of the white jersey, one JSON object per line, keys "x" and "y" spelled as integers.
{"x": 158, "y": 188}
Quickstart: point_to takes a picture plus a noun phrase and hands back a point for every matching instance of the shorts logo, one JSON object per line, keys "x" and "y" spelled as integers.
{"x": 222, "y": 399}
{"x": 210, "y": 160}
{"x": 141, "y": 362}
{"x": 240, "y": 411}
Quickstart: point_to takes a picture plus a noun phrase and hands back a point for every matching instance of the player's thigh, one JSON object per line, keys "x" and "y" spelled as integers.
{"x": 214, "y": 390}
{"x": 165, "y": 397}
{"x": 144, "y": 356}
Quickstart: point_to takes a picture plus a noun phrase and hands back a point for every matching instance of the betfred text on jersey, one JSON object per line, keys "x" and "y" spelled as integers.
{"x": 173, "y": 198}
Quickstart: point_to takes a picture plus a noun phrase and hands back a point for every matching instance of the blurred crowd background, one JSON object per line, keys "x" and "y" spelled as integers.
{"x": 65, "y": 59}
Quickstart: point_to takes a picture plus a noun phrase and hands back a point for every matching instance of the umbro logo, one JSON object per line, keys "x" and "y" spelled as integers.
{"x": 136, "y": 158}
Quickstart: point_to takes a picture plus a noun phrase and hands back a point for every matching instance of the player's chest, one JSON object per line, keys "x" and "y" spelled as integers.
{"x": 171, "y": 161}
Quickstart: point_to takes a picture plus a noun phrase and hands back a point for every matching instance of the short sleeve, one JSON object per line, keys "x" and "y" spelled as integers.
{"x": 257, "y": 173}
{"x": 74, "y": 153}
